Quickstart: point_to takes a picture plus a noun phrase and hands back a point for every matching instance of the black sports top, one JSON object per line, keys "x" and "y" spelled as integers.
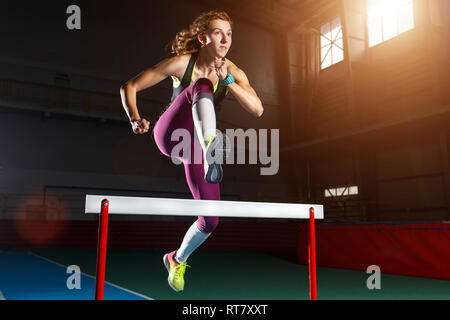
{"x": 178, "y": 86}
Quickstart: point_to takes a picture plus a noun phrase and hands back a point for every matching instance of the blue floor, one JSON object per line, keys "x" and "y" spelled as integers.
{"x": 214, "y": 275}
{"x": 26, "y": 276}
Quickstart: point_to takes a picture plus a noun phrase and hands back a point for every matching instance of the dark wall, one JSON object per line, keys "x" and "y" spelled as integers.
{"x": 61, "y": 118}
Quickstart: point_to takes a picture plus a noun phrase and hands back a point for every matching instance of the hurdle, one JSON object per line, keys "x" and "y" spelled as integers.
{"x": 104, "y": 205}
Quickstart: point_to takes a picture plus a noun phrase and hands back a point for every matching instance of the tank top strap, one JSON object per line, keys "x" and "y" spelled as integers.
{"x": 186, "y": 81}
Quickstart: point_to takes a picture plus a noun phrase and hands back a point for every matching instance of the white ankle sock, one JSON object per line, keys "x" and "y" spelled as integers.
{"x": 204, "y": 117}
{"x": 192, "y": 240}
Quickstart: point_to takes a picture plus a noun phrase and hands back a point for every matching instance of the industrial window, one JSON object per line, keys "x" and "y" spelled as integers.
{"x": 341, "y": 192}
{"x": 387, "y": 19}
{"x": 331, "y": 43}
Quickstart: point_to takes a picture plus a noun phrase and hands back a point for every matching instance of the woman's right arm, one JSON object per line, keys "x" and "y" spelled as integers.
{"x": 144, "y": 80}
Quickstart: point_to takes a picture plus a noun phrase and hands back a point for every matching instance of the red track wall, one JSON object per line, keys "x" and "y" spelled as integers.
{"x": 258, "y": 236}
{"x": 421, "y": 250}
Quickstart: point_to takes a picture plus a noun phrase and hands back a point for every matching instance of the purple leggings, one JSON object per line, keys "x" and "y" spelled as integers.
{"x": 179, "y": 115}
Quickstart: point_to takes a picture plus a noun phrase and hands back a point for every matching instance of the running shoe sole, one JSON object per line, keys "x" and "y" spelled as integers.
{"x": 214, "y": 172}
{"x": 167, "y": 265}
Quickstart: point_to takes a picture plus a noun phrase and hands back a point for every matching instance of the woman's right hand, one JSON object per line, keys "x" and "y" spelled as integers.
{"x": 140, "y": 126}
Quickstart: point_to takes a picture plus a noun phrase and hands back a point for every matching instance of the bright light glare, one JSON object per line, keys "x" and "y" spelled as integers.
{"x": 388, "y": 18}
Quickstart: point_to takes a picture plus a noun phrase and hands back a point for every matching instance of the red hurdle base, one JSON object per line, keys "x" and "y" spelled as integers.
{"x": 102, "y": 244}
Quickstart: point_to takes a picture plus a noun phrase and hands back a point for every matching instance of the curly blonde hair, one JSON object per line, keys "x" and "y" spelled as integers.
{"x": 186, "y": 40}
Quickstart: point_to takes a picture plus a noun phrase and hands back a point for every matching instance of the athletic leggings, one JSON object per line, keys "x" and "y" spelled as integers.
{"x": 179, "y": 115}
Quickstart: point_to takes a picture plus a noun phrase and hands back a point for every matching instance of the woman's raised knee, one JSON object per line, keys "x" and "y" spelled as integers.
{"x": 203, "y": 85}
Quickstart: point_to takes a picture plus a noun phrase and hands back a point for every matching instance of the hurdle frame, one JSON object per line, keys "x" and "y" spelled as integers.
{"x": 102, "y": 247}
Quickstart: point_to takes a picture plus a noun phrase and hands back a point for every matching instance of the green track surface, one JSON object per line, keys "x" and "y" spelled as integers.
{"x": 237, "y": 275}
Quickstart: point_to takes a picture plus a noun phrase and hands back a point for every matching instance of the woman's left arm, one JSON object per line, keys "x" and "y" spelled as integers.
{"x": 240, "y": 88}
{"x": 244, "y": 93}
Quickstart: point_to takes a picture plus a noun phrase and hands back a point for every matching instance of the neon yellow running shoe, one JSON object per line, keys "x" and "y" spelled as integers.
{"x": 176, "y": 272}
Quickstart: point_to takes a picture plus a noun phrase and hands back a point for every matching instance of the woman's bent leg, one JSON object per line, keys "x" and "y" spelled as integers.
{"x": 203, "y": 226}
{"x": 180, "y": 116}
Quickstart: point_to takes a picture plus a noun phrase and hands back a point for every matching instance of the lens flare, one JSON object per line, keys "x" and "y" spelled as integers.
{"x": 39, "y": 220}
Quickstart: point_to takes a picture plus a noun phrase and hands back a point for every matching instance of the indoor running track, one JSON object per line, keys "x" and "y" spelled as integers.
{"x": 27, "y": 276}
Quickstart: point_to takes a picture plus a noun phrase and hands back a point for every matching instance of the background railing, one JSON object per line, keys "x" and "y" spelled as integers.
{"x": 67, "y": 202}
{"x": 60, "y": 99}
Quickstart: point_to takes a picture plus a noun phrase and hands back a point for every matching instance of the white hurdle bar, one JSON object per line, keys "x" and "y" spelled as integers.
{"x": 104, "y": 205}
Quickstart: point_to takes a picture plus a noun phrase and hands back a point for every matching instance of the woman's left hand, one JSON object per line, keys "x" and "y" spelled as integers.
{"x": 221, "y": 68}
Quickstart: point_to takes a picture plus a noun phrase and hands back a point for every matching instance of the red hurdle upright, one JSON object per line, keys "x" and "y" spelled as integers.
{"x": 312, "y": 257}
{"x": 101, "y": 251}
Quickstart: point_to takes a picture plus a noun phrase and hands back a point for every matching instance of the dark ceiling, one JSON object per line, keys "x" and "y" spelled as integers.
{"x": 279, "y": 16}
